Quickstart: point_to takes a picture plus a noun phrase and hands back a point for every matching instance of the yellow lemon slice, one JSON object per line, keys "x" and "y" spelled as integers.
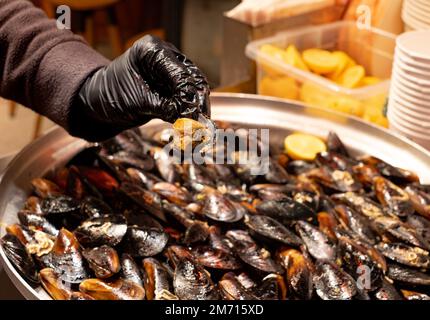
{"x": 301, "y": 146}
{"x": 275, "y": 53}
{"x": 352, "y": 77}
{"x": 368, "y": 81}
{"x": 343, "y": 63}
{"x": 294, "y": 58}
{"x": 281, "y": 87}
{"x": 320, "y": 61}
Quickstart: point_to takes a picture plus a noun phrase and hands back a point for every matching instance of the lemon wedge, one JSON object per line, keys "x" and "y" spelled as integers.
{"x": 320, "y": 61}
{"x": 351, "y": 77}
{"x": 281, "y": 87}
{"x": 302, "y": 146}
{"x": 294, "y": 58}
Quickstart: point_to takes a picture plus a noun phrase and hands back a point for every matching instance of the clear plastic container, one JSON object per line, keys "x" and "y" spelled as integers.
{"x": 372, "y": 48}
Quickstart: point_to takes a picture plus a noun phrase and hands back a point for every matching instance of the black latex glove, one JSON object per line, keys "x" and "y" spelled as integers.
{"x": 151, "y": 80}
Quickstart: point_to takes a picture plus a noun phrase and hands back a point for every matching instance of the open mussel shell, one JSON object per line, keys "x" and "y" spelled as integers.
{"x": 144, "y": 242}
{"x": 298, "y": 273}
{"x": 107, "y": 229}
{"x": 157, "y": 279}
{"x": 173, "y": 193}
{"x": 53, "y": 284}
{"x": 66, "y": 259}
{"x": 317, "y": 243}
{"x": 272, "y": 287}
{"x": 394, "y": 197}
{"x": 332, "y": 283}
{"x": 231, "y": 289}
{"x": 20, "y": 258}
{"x": 412, "y": 295}
{"x": 215, "y": 258}
{"x": 252, "y": 254}
{"x": 104, "y": 261}
{"x": 193, "y": 282}
{"x": 92, "y": 207}
{"x": 420, "y": 200}
{"x": 112, "y": 290}
{"x": 406, "y": 255}
{"x": 272, "y": 230}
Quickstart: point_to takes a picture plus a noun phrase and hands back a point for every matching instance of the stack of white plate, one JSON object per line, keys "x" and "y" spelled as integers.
{"x": 409, "y": 102}
{"x": 416, "y": 14}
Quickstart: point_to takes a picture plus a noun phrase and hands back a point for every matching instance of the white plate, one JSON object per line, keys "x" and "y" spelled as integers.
{"x": 409, "y": 84}
{"x": 419, "y": 13}
{"x": 410, "y": 61}
{"x": 415, "y": 78}
{"x": 423, "y": 142}
{"x": 404, "y": 126}
{"x": 414, "y": 22}
{"x": 415, "y": 44}
{"x": 419, "y": 107}
{"x": 421, "y": 121}
{"x": 422, "y": 72}
{"x": 413, "y": 95}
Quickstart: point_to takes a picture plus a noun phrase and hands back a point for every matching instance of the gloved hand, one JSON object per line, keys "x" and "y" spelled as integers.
{"x": 151, "y": 80}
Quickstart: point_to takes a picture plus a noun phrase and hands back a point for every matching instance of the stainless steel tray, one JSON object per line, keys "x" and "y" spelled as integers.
{"x": 55, "y": 148}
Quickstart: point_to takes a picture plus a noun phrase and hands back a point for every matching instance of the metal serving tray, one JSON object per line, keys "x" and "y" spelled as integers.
{"x": 283, "y": 117}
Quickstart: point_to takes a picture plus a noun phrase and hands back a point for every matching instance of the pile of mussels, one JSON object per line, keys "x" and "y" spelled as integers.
{"x": 123, "y": 221}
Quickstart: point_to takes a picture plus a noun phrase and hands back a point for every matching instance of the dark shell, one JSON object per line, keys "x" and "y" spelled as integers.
{"x": 45, "y": 188}
{"x": 157, "y": 279}
{"x": 407, "y": 276}
{"x": 104, "y": 261}
{"x": 218, "y": 208}
{"x": 392, "y": 196}
{"x": 298, "y": 273}
{"x": 214, "y": 258}
{"x": 420, "y": 200}
{"x": 404, "y": 254}
{"x": 173, "y": 193}
{"x": 317, "y": 243}
{"x": 144, "y": 179}
{"x": 130, "y": 270}
{"x": 334, "y": 144}
{"x": 130, "y": 159}
{"x": 361, "y": 204}
{"x": 192, "y": 282}
{"x": 412, "y": 295}
{"x": 387, "y": 292}
{"x": 250, "y": 253}
{"x": 285, "y": 210}
{"x": 271, "y": 229}
{"x": 231, "y": 289}
{"x": 107, "y": 229}
{"x": 276, "y": 173}
{"x": 65, "y": 258}
{"x": 19, "y": 257}
{"x": 272, "y": 287}
{"x": 299, "y": 167}
{"x": 54, "y": 285}
{"x": 332, "y": 283}
{"x": 92, "y": 207}
{"x": 357, "y": 223}
{"x": 112, "y": 290}
{"x": 30, "y": 219}
{"x": 144, "y": 242}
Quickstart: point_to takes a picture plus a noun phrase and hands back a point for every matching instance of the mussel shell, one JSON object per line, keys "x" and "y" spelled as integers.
{"x": 332, "y": 283}
{"x": 130, "y": 270}
{"x": 112, "y": 290}
{"x": 412, "y": 295}
{"x": 387, "y": 292}
{"x": 393, "y": 196}
{"x": 354, "y": 257}
{"x": 298, "y": 273}
{"x": 271, "y": 229}
{"x": 272, "y": 287}
{"x": 130, "y": 159}
{"x": 62, "y": 211}
{"x": 66, "y": 259}
{"x": 276, "y": 173}
{"x": 214, "y": 258}
{"x": 231, "y": 289}
{"x": 250, "y": 253}
{"x": 297, "y": 167}
{"x": 80, "y": 296}
{"x": 317, "y": 243}
{"x": 420, "y": 200}
{"x": 92, "y": 207}
{"x": 45, "y": 188}
{"x": 54, "y": 285}
{"x": 19, "y": 257}
{"x": 218, "y": 208}
{"x": 107, "y": 229}
{"x": 104, "y": 261}
{"x": 192, "y": 282}
{"x": 30, "y": 219}
{"x": 334, "y": 144}
{"x": 285, "y": 210}
{"x": 407, "y": 276}
{"x": 361, "y": 204}
{"x": 406, "y": 255}
{"x": 157, "y": 279}
{"x": 173, "y": 193}
{"x": 421, "y": 225}
{"x": 144, "y": 242}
